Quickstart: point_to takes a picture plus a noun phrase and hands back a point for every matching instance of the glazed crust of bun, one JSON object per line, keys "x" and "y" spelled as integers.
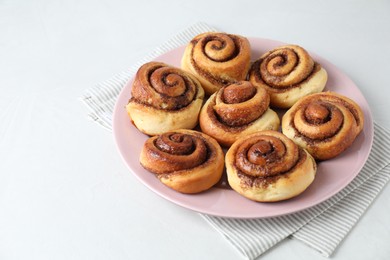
{"x": 288, "y": 73}
{"x": 267, "y": 166}
{"x": 237, "y": 110}
{"x": 217, "y": 59}
{"x": 325, "y": 124}
{"x": 164, "y": 98}
{"x": 187, "y": 161}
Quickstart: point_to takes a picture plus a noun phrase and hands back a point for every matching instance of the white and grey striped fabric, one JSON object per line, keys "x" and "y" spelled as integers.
{"x": 321, "y": 227}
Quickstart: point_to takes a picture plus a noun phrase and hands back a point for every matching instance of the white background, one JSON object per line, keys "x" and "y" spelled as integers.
{"x": 65, "y": 192}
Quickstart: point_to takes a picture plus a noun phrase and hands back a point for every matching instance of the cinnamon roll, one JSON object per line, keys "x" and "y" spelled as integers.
{"x": 267, "y": 166}
{"x": 237, "y": 110}
{"x": 288, "y": 73}
{"x": 217, "y": 59}
{"x": 185, "y": 160}
{"x": 325, "y": 124}
{"x": 164, "y": 98}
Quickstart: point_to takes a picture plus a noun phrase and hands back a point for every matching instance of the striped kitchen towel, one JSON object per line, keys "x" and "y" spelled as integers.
{"x": 321, "y": 227}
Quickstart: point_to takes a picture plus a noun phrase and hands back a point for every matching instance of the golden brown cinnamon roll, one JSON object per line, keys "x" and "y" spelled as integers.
{"x": 185, "y": 160}
{"x": 217, "y": 59}
{"x": 324, "y": 123}
{"x": 288, "y": 73}
{"x": 267, "y": 166}
{"x": 164, "y": 98}
{"x": 237, "y": 110}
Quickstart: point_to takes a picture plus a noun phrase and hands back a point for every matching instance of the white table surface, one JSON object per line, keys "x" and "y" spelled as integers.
{"x": 65, "y": 192}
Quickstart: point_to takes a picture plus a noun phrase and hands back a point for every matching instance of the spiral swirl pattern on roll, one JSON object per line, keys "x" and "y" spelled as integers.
{"x": 185, "y": 160}
{"x": 164, "y": 98}
{"x": 164, "y": 87}
{"x": 217, "y": 59}
{"x": 288, "y": 73}
{"x": 268, "y": 166}
{"x": 240, "y": 103}
{"x": 325, "y": 124}
{"x": 266, "y": 155}
{"x": 176, "y": 151}
{"x": 235, "y": 110}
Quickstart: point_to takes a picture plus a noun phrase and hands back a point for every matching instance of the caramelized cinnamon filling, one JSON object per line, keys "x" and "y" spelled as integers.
{"x": 238, "y": 92}
{"x": 163, "y": 87}
{"x": 280, "y": 63}
{"x": 172, "y": 152}
{"x": 318, "y": 120}
{"x": 217, "y": 47}
{"x": 257, "y": 154}
{"x": 218, "y": 121}
{"x": 316, "y": 113}
{"x": 210, "y": 77}
{"x": 175, "y": 144}
{"x": 169, "y": 83}
{"x": 266, "y": 156}
{"x": 238, "y": 105}
{"x": 220, "y": 47}
{"x": 274, "y": 70}
{"x": 264, "y": 181}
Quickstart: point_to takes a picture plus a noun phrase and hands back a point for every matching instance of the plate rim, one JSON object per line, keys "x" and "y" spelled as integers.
{"x": 118, "y": 106}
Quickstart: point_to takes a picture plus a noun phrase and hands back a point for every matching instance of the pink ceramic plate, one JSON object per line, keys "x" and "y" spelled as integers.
{"x": 332, "y": 175}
